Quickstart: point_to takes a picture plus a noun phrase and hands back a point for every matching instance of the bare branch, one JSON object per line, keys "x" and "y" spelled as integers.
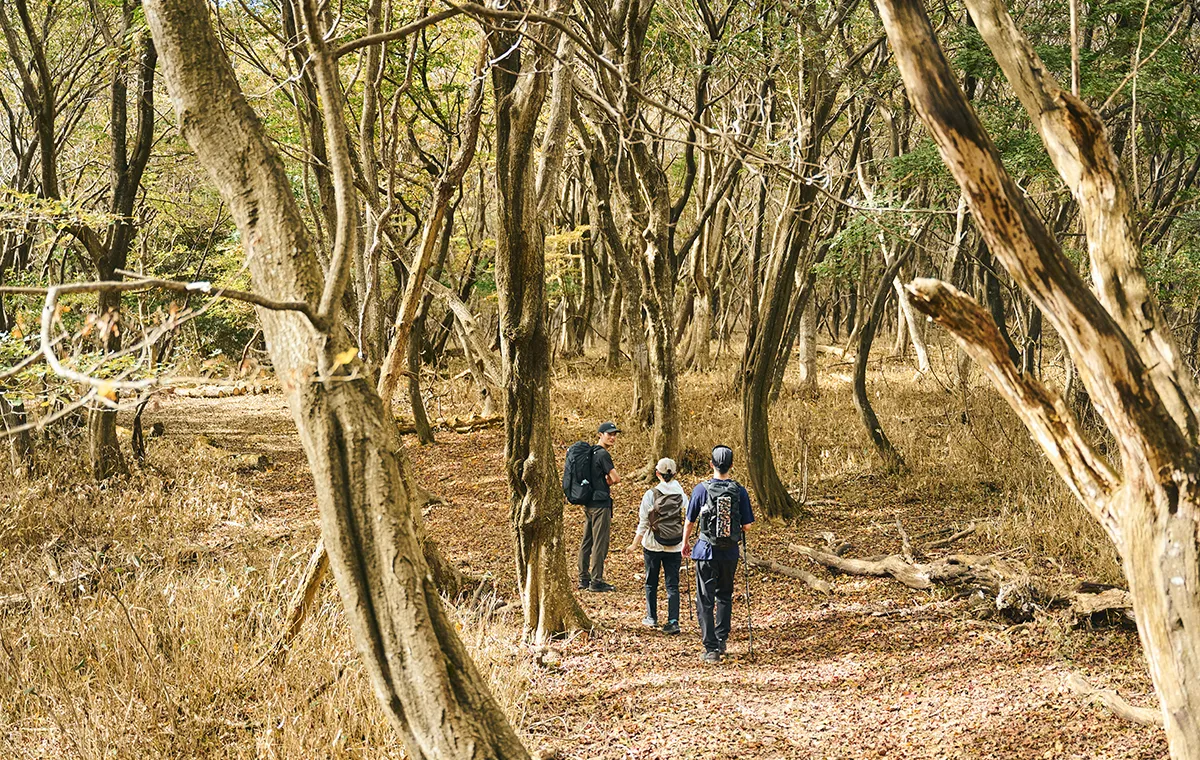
{"x": 345, "y": 196}
{"x": 396, "y": 34}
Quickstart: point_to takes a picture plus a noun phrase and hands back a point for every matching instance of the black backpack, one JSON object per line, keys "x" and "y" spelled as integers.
{"x": 721, "y": 515}
{"x": 577, "y": 482}
{"x": 666, "y": 517}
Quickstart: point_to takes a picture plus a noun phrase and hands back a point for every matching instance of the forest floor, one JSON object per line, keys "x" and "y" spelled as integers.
{"x": 873, "y": 670}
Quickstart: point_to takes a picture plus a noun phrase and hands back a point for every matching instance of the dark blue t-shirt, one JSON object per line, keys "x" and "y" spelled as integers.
{"x": 702, "y": 550}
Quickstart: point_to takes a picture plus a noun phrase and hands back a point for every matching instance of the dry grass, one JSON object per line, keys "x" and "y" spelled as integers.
{"x": 178, "y": 586}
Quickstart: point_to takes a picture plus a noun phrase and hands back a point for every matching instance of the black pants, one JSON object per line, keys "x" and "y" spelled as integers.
{"x": 669, "y": 563}
{"x": 597, "y": 522}
{"x": 714, "y": 600}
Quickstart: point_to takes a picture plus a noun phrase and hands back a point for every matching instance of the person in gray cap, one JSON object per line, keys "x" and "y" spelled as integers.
{"x": 598, "y": 515}
{"x": 721, "y": 507}
{"x": 660, "y": 535}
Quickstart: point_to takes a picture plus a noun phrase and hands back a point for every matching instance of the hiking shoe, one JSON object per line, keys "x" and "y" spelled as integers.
{"x": 600, "y": 586}
{"x": 721, "y": 646}
{"x": 649, "y": 622}
{"x": 712, "y": 658}
{"x": 671, "y": 629}
{"x": 583, "y": 585}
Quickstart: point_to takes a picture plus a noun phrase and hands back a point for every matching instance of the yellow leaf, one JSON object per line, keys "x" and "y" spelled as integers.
{"x": 345, "y": 357}
{"x": 106, "y": 390}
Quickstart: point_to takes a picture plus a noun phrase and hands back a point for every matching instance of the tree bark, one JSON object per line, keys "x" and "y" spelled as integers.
{"x": 19, "y": 444}
{"x": 425, "y": 681}
{"x": 614, "y": 325}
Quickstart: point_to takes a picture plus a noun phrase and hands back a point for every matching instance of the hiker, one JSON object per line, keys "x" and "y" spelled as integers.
{"x": 598, "y": 513}
{"x": 660, "y": 535}
{"x": 721, "y": 508}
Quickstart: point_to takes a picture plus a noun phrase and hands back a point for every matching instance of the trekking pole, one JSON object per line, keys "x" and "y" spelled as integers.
{"x": 749, "y": 626}
{"x": 686, "y": 577}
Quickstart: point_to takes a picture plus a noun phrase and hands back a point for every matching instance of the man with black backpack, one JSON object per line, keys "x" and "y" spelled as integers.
{"x": 587, "y": 478}
{"x": 721, "y": 508}
{"x": 660, "y": 534}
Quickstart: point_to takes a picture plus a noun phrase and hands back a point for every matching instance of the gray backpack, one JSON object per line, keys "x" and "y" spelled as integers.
{"x": 666, "y": 517}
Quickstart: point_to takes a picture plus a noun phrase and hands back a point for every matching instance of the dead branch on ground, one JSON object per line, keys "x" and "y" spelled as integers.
{"x": 808, "y": 578}
{"x": 1109, "y": 698}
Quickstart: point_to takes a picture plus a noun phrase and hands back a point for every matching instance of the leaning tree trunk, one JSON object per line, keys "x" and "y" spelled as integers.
{"x": 862, "y": 401}
{"x": 547, "y": 600}
{"x": 628, "y": 275}
{"x": 763, "y": 349}
{"x": 1116, "y": 334}
{"x": 429, "y": 689}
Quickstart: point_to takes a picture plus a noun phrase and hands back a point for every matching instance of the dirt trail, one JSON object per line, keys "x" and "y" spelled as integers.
{"x": 854, "y": 675}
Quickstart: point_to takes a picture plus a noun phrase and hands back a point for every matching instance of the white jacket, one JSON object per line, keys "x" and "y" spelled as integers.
{"x": 648, "y": 542}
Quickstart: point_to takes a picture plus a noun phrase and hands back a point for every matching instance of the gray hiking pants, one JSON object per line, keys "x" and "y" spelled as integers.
{"x": 594, "y": 550}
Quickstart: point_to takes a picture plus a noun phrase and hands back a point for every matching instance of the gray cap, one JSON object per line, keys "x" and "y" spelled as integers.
{"x": 666, "y": 466}
{"x": 722, "y": 457}
{"x": 609, "y": 427}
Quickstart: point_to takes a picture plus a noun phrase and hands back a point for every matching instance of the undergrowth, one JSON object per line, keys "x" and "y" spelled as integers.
{"x": 133, "y": 614}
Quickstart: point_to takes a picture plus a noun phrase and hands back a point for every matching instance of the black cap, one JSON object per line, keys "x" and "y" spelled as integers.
{"x": 722, "y": 458}
{"x": 609, "y": 427}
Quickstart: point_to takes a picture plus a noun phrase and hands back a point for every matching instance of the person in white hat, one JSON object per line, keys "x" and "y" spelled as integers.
{"x": 660, "y": 534}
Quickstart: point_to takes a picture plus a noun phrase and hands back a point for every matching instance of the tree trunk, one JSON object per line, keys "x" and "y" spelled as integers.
{"x": 413, "y": 350}
{"x": 994, "y": 298}
{"x": 427, "y": 685}
{"x": 629, "y": 275}
{"x": 614, "y": 325}
{"x": 547, "y": 600}
{"x": 763, "y": 348}
{"x": 1123, "y": 352}
{"x": 444, "y": 190}
{"x": 104, "y": 449}
{"x": 807, "y": 351}
{"x": 862, "y": 402}
{"x": 900, "y": 344}
{"x": 20, "y": 444}
{"x": 912, "y": 324}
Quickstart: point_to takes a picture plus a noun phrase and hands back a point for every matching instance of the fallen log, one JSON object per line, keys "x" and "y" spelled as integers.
{"x": 808, "y": 578}
{"x": 892, "y": 565}
{"x": 1096, "y": 608}
{"x": 221, "y": 391}
{"x": 453, "y": 424}
{"x": 1110, "y": 699}
{"x": 240, "y": 462}
{"x": 1006, "y": 585}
